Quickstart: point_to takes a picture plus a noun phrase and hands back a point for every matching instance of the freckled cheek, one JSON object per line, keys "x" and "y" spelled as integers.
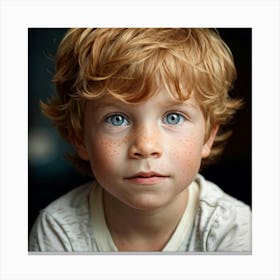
{"x": 104, "y": 155}
{"x": 186, "y": 154}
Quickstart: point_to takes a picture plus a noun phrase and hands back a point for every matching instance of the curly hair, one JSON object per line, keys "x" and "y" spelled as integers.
{"x": 132, "y": 64}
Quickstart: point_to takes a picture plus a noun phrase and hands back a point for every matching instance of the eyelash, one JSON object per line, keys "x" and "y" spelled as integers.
{"x": 125, "y": 122}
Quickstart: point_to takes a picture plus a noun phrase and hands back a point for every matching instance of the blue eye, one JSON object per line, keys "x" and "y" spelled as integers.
{"x": 117, "y": 120}
{"x": 173, "y": 119}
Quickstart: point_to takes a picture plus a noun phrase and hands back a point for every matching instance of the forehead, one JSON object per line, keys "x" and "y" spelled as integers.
{"x": 162, "y": 98}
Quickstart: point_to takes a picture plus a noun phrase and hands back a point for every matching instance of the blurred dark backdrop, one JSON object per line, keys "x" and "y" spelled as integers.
{"x": 50, "y": 175}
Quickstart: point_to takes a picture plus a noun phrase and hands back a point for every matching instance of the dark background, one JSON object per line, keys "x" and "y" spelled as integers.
{"x": 50, "y": 175}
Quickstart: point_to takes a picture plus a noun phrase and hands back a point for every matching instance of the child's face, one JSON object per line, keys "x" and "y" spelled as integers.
{"x": 147, "y": 154}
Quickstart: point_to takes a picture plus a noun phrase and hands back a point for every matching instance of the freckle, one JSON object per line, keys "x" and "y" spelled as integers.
{"x": 125, "y": 140}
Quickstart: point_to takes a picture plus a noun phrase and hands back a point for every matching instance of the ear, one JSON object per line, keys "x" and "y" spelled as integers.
{"x": 206, "y": 149}
{"x": 80, "y": 149}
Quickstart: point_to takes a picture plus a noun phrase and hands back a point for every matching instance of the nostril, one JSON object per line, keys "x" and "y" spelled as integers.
{"x": 138, "y": 154}
{"x": 146, "y": 155}
{"x": 156, "y": 154}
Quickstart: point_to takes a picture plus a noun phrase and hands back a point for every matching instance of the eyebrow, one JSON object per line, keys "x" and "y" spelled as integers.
{"x": 171, "y": 103}
{"x": 114, "y": 102}
{"x": 189, "y": 106}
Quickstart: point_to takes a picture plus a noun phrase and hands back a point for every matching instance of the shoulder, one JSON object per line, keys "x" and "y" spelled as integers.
{"x": 64, "y": 224}
{"x": 212, "y": 196}
{"x": 72, "y": 202}
{"x": 223, "y": 222}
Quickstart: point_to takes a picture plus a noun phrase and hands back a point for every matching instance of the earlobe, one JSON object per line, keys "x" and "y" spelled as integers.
{"x": 206, "y": 150}
{"x": 82, "y": 152}
{"x": 81, "y": 149}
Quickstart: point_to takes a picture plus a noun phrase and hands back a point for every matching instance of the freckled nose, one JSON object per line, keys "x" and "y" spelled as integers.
{"x": 146, "y": 144}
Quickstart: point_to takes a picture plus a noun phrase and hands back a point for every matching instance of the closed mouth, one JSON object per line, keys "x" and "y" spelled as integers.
{"x": 147, "y": 178}
{"x": 149, "y": 174}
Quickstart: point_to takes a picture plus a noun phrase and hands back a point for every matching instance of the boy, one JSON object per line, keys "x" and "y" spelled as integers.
{"x": 144, "y": 108}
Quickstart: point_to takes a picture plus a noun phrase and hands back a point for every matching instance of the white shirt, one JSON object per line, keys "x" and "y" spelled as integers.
{"x": 102, "y": 234}
{"x": 212, "y": 221}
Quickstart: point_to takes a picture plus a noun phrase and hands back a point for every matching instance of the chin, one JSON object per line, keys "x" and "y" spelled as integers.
{"x": 147, "y": 203}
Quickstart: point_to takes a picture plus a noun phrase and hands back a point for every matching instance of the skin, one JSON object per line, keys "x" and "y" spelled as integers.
{"x": 159, "y": 135}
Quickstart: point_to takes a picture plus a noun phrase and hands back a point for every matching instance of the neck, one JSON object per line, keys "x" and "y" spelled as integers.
{"x": 142, "y": 230}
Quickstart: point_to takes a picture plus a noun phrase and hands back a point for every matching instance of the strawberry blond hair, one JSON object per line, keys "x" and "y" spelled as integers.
{"x": 132, "y": 64}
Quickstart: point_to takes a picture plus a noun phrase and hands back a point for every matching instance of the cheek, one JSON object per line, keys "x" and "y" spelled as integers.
{"x": 186, "y": 154}
{"x": 104, "y": 155}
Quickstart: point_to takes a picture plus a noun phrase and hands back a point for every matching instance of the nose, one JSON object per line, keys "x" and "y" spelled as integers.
{"x": 146, "y": 144}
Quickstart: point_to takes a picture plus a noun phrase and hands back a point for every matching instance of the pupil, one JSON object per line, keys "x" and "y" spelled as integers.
{"x": 173, "y": 118}
{"x": 117, "y": 120}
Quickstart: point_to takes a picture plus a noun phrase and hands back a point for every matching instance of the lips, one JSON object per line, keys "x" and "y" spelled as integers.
{"x": 147, "y": 178}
